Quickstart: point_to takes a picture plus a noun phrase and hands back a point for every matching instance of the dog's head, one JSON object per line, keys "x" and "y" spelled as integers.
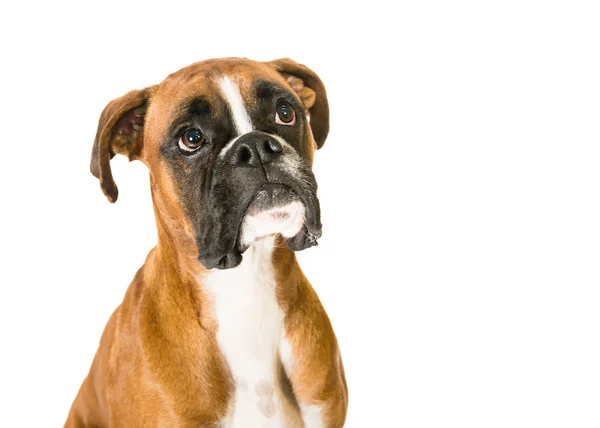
{"x": 229, "y": 144}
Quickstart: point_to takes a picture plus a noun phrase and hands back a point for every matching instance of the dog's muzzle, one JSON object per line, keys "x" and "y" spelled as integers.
{"x": 260, "y": 187}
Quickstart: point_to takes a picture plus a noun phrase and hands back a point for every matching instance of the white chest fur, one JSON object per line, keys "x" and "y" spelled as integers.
{"x": 250, "y": 334}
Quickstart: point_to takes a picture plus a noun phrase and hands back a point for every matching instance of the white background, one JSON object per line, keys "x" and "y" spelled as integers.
{"x": 459, "y": 187}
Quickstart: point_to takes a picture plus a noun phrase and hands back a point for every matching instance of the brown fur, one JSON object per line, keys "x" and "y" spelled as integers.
{"x": 158, "y": 363}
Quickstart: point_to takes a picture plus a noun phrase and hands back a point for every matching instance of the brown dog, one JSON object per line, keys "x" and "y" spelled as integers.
{"x": 219, "y": 327}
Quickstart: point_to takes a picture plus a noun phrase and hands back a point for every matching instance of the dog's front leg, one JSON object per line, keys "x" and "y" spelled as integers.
{"x": 313, "y": 364}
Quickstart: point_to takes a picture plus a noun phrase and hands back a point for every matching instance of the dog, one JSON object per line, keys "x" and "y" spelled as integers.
{"x": 219, "y": 328}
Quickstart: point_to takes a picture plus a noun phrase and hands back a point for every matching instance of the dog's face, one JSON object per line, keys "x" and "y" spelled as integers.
{"x": 229, "y": 144}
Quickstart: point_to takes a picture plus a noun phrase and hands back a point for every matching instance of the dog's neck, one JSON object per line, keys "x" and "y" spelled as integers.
{"x": 176, "y": 269}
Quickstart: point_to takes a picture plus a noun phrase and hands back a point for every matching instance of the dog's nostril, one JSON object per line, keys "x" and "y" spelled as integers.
{"x": 244, "y": 155}
{"x": 272, "y": 146}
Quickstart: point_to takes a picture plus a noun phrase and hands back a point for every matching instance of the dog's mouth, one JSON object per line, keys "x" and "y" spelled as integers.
{"x": 275, "y": 209}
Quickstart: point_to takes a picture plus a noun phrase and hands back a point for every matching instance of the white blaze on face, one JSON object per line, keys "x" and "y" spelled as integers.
{"x": 232, "y": 95}
{"x": 240, "y": 117}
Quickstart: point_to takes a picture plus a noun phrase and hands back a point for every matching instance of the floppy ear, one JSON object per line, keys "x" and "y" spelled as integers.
{"x": 311, "y": 91}
{"x": 120, "y": 130}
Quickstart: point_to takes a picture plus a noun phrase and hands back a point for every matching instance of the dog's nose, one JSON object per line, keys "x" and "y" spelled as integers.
{"x": 254, "y": 149}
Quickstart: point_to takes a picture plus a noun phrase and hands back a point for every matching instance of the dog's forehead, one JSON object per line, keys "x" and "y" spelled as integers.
{"x": 245, "y": 69}
{"x": 202, "y": 80}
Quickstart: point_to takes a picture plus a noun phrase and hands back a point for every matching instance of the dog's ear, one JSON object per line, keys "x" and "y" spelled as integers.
{"x": 311, "y": 91}
{"x": 120, "y": 130}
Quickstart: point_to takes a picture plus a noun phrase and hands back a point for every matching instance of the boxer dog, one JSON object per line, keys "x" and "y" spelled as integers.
{"x": 219, "y": 328}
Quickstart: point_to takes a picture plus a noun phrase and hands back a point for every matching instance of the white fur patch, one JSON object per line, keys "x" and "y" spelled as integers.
{"x": 285, "y": 351}
{"x": 232, "y": 95}
{"x": 228, "y": 146}
{"x": 287, "y": 220}
{"x": 241, "y": 120}
{"x": 312, "y": 416}
{"x": 249, "y": 335}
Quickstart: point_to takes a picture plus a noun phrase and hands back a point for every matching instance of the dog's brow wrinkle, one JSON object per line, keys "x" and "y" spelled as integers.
{"x": 232, "y": 95}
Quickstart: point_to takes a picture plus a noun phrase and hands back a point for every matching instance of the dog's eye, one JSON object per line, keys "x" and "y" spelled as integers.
{"x": 191, "y": 140}
{"x": 285, "y": 114}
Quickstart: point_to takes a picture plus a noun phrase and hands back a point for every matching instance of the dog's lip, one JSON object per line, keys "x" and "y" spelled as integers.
{"x": 311, "y": 229}
{"x": 268, "y": 190}
{"x": 303, "y": 197}
{"x": 286, "y": 220}
{"x": 251, "y": 209}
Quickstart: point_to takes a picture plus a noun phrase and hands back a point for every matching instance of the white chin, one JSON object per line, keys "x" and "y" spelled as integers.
{"x": 286, "y": 220}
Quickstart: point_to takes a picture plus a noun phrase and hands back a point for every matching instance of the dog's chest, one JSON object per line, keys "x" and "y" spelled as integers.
{"x": 250, "y": 334}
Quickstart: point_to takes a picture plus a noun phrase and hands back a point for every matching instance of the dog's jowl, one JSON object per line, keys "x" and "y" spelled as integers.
{"x": 220, "y": 328}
